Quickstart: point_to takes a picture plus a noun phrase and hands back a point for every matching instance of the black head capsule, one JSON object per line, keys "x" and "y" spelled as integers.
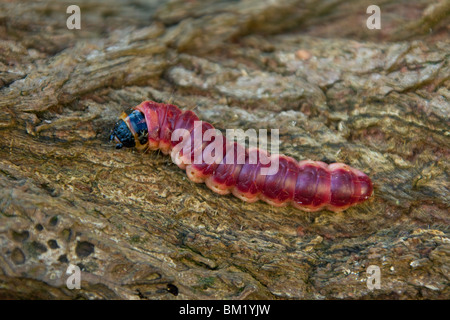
{"x": 122, "y": 135}
{"x": 129, "y": 127}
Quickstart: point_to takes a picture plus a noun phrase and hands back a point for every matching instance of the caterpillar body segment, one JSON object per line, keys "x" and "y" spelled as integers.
{"x": 228, "y": 167}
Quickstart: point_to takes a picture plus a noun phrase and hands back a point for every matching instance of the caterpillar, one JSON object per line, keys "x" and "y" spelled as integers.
{"x": 307, "y": 185}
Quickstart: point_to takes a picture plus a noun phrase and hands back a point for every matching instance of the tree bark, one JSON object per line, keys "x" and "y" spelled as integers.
{"x": 377, "y": 100}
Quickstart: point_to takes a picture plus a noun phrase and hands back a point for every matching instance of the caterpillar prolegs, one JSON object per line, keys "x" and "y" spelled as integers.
{"x": 227, "y": 166}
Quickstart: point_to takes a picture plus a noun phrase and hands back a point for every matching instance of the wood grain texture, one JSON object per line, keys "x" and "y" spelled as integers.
{"x": 133, "y": 222}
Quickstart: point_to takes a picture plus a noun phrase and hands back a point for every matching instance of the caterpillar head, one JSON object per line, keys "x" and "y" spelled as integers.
{"x": 122, "y": 135}
{"x": 130, "y": 130}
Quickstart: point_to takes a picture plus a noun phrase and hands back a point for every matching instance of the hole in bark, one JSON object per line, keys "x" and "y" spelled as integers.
{"x": 63, "y": 258}
{"x": 39, "y": 227}
{"x": 84, "y": 249}
{"x": 53, "y": 221}
{"x": 172, "y": 289}
{"x": 53, "y": 244}
{"x": 20, "y": 236}
{"x": 38, "y": 247}
{"x": 17, "y": 256}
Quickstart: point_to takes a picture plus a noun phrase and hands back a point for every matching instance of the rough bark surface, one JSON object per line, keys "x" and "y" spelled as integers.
{"x": 139, "y": 229}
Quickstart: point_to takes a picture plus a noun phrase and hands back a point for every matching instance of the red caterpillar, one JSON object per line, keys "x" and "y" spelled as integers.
{"x": 307, "y": 185}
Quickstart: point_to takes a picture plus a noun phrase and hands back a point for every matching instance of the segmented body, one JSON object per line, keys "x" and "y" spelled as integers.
{"x": 307, "y": 185}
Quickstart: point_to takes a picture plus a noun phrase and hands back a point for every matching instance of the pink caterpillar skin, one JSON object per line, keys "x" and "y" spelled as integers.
{"x": 307, "y": 185}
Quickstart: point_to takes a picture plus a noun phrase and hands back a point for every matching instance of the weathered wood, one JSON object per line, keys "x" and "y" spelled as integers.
{"x": 137, "y": 226}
